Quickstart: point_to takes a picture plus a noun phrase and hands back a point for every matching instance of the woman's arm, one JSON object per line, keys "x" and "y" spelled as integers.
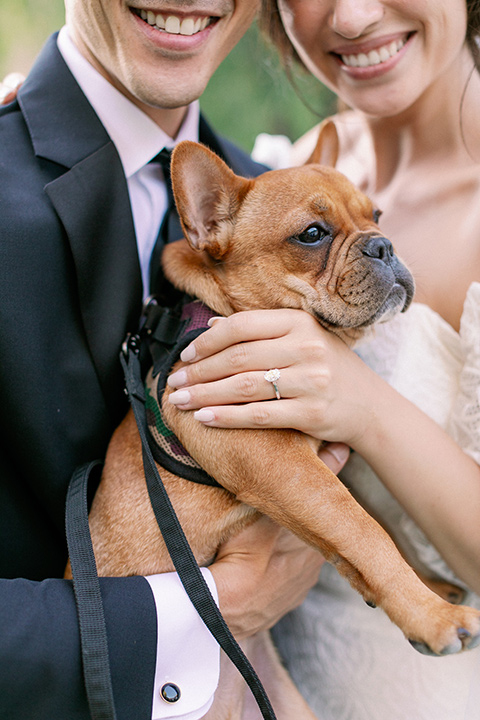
{"x": 430, "y": 475}
{"x": 328, "y": 392}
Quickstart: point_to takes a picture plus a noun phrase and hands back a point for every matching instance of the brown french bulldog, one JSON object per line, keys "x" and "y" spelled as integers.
{"x": 299, "y": 238}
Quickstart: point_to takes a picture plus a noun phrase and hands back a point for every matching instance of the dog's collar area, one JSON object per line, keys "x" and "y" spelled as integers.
{"x": 169, "y": 331}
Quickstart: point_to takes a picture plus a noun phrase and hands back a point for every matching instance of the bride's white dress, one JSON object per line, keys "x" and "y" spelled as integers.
{"x": 349, "y": 660}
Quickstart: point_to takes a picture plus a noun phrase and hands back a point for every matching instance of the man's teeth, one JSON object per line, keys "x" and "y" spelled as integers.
{"x": 375, "y": 57}
{"x": 173, "y": 25}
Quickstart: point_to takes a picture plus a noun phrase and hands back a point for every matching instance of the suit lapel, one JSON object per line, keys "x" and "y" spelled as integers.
{"x": 90, "y": 195}
{"x": 93, "y": 205}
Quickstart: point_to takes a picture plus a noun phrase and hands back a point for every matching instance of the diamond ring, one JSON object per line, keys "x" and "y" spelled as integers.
{"x": 272, "y": 376}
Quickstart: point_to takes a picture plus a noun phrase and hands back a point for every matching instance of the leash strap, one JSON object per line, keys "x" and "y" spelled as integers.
{"x": 174, "y": 537}
{"x": 93, "y": 633}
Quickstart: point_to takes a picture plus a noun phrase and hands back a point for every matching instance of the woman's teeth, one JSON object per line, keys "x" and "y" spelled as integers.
{"x": 375, "y": 57}
{"x": 173, "y": 25}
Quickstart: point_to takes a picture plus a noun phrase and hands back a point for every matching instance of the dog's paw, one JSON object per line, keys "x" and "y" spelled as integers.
{"x": 460, "y": 631}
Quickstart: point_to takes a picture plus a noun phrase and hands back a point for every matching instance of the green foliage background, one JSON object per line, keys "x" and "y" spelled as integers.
{"x": 248, "y": 94}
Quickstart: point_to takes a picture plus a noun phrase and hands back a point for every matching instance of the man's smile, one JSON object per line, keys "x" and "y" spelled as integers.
{"x": 175, "y": 24}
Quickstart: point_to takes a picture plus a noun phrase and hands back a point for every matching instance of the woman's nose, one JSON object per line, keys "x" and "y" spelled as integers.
{"x": 353, "y": 18}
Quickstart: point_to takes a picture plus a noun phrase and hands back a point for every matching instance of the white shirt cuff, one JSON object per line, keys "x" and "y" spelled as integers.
{"x": 188, "y": 657}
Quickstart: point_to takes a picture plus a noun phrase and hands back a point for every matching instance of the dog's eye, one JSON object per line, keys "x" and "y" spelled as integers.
{"x": 313, "y": 235}
{"x": 376, "y": 215}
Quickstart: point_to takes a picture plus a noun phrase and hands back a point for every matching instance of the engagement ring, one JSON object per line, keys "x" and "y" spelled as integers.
{"x": 272, "y": 376}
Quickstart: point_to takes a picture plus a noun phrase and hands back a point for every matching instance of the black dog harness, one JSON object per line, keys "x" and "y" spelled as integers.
{"x": 169, "y": 331}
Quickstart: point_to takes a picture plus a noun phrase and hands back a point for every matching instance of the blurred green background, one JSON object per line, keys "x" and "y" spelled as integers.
{"x": 248, "y": 94}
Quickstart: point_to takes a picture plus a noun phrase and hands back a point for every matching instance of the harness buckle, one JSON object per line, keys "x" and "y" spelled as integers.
{"x": 131, "y": 344}
{"x": 149, "y": 301}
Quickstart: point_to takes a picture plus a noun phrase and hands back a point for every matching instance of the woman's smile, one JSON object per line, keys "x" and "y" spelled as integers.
{"x": 374, "y": 58}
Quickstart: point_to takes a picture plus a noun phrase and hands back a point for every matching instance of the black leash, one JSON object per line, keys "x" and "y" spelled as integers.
{"x": 175, "y": 540}
{"x": 91, "y": 620}
{"x": 93, "y": 634}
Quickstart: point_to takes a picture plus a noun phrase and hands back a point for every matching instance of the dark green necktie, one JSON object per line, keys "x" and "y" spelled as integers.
{"x": 170, "y": 229}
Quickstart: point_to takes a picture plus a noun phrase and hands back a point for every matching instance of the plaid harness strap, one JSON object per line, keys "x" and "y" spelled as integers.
{"x": 169, "y": 332}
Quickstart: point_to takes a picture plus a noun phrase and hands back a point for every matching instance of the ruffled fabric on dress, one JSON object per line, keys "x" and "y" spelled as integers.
{"x": 464, "y": 425}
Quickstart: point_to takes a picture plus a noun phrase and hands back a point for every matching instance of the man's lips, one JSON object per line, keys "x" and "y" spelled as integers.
{"x": 175, "y": 24}
{"x": 375, "y": 52}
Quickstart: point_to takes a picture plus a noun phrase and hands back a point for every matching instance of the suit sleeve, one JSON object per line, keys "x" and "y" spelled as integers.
{"x": 155, "y": 639}
{"x": 40, "y": 662}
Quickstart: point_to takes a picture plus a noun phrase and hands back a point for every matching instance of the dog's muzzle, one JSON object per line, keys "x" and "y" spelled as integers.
{"x": 380, "y": 249}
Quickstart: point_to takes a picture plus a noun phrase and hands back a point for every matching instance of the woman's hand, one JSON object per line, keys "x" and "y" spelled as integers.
{"x": 9, "y": 87}
{"x": 266, "y": 571}
{"x": 325, "y": 388}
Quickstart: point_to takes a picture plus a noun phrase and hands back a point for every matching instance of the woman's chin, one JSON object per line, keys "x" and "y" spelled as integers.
{"x": 378, "y": 103}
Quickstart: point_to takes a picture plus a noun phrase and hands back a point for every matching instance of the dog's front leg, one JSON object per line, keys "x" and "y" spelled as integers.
{"x": 277, "y": 472}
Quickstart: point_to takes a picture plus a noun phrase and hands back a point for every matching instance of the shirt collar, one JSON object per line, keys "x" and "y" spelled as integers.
{"x": 137, "y": 138}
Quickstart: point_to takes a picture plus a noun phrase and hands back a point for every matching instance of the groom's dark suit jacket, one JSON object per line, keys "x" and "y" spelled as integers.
{"x": 70, "y": 290}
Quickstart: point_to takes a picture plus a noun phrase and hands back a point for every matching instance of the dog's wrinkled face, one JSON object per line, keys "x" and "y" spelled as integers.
{"x": 335, "y": 263}
{"x": 303, "y": 238}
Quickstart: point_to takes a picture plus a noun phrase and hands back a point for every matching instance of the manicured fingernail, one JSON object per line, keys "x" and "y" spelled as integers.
{"x": 188, "y": 354}
{"x": 204, "y": 415}
{"x": 213, "y": 320}
{"x": 180, "y": 397}
{"x": 177, "y": 379}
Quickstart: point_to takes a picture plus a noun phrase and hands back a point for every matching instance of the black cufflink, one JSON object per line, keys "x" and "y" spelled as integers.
{"x": 170, "y": 693}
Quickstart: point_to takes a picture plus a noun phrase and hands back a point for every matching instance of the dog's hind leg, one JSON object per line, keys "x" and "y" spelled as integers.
{"x": 230, "y": 694}
{"x": 286, "y": 700}
{"x": 233, "y": 698}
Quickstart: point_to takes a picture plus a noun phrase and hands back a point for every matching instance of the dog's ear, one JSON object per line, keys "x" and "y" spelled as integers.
{"x": 327, "y": 147}
{"x": 208, "y": 196}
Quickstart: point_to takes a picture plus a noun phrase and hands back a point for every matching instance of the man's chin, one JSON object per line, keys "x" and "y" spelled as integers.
{"x": 166, "y": 107}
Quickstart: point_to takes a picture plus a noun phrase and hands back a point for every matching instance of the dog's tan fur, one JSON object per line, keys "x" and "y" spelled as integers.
{"x": 239, "y": 254}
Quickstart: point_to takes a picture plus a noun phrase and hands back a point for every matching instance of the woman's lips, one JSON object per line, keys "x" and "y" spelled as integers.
{"x": 375, "y": 58}
{"x": 372, "y": 53}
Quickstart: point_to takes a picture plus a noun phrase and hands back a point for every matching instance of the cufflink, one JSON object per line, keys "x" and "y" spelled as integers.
{"x": 170, "y": 693}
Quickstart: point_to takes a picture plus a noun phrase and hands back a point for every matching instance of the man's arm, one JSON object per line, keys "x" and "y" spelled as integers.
{"x": 40, "y": 665}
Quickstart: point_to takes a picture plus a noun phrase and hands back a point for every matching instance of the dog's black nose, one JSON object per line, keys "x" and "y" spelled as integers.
{"x": 379, "y": 248}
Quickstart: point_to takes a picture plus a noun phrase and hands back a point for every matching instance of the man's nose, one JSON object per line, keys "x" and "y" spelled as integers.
{"x": 353, "y": 18}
